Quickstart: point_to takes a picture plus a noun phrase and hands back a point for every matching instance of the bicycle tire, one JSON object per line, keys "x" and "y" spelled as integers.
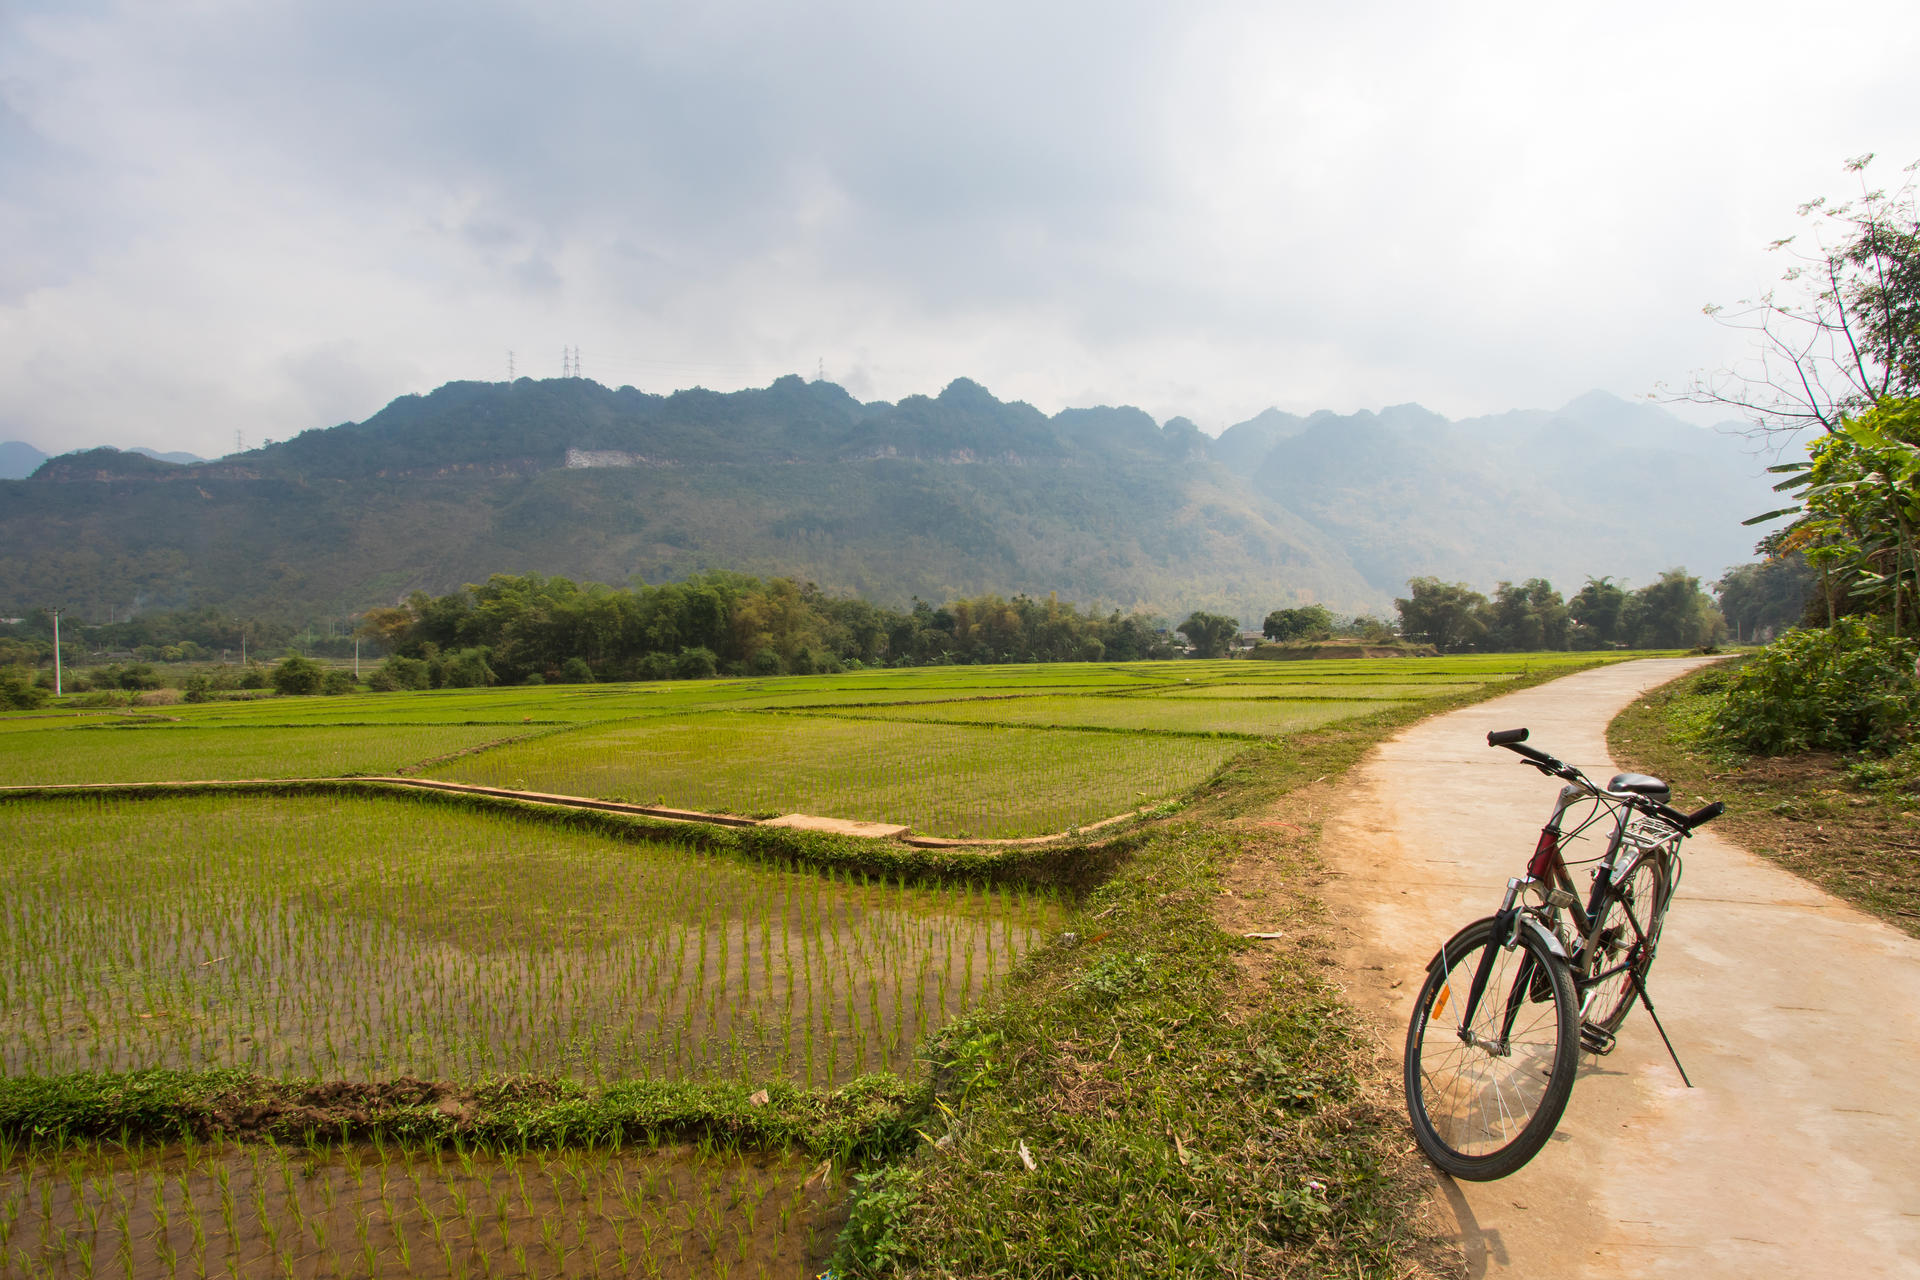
{"x": 1483, "y": 1106}
{"x": 1643, "y": 895}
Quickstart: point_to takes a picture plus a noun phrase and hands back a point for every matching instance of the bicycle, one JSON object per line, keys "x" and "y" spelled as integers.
{"x": 1545, "y": 977}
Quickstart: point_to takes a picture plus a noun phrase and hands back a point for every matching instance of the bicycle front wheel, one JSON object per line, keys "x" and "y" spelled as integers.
{"x": 1485, "y": 1096}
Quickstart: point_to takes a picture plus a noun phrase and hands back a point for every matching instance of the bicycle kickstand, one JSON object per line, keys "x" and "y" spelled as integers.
{"x": 1640, "y": 989}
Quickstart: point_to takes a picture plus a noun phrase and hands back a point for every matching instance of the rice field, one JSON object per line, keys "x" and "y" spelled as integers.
{"x": 948, "y": 780}
{"x": 332, "y": 1210}
{"x": 145, "y": 751}
{"x": 1147, "y": 714}
{"x": 300, "y": 937}
{"x": 375, "y": 938}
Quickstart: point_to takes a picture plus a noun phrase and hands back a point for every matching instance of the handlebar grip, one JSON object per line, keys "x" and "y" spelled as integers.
{"x": 1506, "y": 737}
{"x": 1701, "y": 817}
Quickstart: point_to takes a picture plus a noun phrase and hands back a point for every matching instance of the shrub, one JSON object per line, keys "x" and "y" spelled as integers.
{"x": 253, "y": 678}
{"x": 19, "y": 693}
{"x": 140, "y": 676}
{"x": 468, "y": 669}
{"x": 576, "y": 671}
{"x": 697, "y": 663}
{"x": 197, "y": 687}
{"x": 336, "y": 682}
{"x": 1842, "y": 688}
{"x": 298, "y": 675}
{"x": 398, "y": 673}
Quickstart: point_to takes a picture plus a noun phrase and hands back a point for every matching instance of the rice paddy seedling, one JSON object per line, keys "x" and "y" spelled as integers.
{"x": 175, "y": 753}
{"x": 942, "y": 779}
{"x": 371, "y": 940}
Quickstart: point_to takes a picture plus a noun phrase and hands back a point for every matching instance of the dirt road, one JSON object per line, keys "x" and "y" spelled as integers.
{"x": 1797, "y": 1153}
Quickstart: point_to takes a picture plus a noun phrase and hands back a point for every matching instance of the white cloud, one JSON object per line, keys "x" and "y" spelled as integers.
{"x": 226, "y": 216}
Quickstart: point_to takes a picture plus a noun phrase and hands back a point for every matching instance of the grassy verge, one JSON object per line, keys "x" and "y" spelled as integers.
{"x": 1852, "y": 826}
{"x": 864, "y": 1120}
{"x": 1159, "y": 1096}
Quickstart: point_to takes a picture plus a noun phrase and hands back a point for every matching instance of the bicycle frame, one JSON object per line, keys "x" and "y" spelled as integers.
{"x": 1641, "y": 828}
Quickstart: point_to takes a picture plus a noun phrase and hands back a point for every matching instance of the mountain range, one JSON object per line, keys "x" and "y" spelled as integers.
{"x": 935, "y": 497}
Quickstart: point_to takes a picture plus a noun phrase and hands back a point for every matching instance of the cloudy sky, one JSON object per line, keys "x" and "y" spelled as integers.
{"x": 227, "y": 217}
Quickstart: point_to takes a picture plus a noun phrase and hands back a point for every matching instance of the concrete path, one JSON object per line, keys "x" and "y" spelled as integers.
{"x": 1798, "y": 1151}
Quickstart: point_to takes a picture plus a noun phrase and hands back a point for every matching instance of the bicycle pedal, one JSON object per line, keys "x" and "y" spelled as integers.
{"x": 1596, "y": 1040}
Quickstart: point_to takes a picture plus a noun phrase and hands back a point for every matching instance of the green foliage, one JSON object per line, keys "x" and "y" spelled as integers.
{"x": 467, "y": 669}
{"x": 336, "y": 682}
{"x": 297, "y": 675}
{"x": 696, "y": 663}
{"x": 1671, "y": 613}
{"x": 1310, "y": 622}
{"x": 1596, "y": 612}
{"x": 139, "y": 676}
{"x": 1447, "y": 615}
{"x": 1209, "y": 633}
{"x": 1765, "y": 597}
{"x": 18, "y": 692}
{"x": 398, "y": 673}
{"x": 1527, "y": 618}
{"x": 1842, "y": 688}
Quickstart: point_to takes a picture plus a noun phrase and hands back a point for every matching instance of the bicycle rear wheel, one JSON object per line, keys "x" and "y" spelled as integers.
{"x": 1643, "y": 897}
{"x": 1485, "y": 1098}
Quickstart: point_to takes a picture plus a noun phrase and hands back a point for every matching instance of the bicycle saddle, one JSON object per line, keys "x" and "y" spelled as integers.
{"x": 1641, "y": 785}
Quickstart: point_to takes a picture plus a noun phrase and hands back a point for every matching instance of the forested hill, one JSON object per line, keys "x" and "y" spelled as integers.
{"x": 937, "y": 497}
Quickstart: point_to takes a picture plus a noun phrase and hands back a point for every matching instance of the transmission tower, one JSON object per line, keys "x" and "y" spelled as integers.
{"x": 509, "y": 364}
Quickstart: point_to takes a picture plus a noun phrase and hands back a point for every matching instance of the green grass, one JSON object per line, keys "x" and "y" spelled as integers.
{"x": 936, "y": 778}
{"x": 378, "y": 938}
{"x": 1244, "y": 717}
{"x": 153, "y": 751}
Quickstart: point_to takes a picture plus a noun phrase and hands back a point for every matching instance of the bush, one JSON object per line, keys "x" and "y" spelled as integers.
{"x": 140, "y": 676}
{"x": 197, "y": 687}
{"x": 576, "y": 671}
{"x": 1842, "y": 688}
{"x": 468, "y": 669}
{"x": 253, "y": 678}
{"x": 298, "y": 675}
{"x": 398, "y": 673}
{"x": 697, "y": 663}
{"x": 336, "y": 682}
{"x": 19, "y": 693}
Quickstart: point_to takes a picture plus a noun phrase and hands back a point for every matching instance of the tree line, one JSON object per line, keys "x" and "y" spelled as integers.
{"x": 513, "y": 628}
{"x": 1670, "y": 613}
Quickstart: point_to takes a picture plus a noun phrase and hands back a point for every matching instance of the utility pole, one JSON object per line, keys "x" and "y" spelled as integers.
{"x": 356, "y": 657}
{"x": 56, "y": 651}
{"x": 509, "y": 364}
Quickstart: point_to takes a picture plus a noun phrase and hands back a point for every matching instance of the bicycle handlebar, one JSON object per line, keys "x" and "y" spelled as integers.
{"x": 1514, "y": 740}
